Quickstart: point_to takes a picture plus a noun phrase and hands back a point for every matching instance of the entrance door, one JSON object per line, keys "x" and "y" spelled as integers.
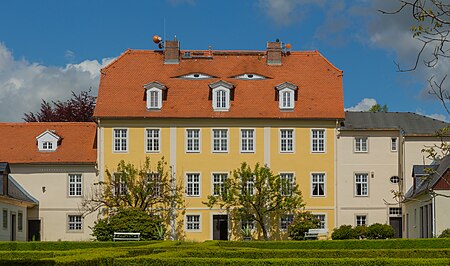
{"x": 13, "y": 227}
{"x": 34, "y": 230}
{"x": 396, "y": 223}
{"x": 220, "y": 227}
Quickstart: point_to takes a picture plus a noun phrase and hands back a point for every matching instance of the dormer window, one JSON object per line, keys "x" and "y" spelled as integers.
{"x": 221, "y": 94}
{"x": 47, "y": 141}
{"x": 250, "y": 76}
{"x": 154, "y": 95}
{"x": 196, "y": 75}
{"x": 286, "y": 95}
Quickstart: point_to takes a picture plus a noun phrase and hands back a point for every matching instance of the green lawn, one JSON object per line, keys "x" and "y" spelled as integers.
{"x": 350, "y": 252}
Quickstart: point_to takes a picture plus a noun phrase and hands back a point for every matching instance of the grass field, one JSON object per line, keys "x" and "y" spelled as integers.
{"x": 349, "y": 252}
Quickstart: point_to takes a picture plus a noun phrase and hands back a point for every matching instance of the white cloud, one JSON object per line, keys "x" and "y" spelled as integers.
{"x": 23, "y": 84}
{"x": 363, "y": 105}
{"x": 435, "y": 116}
{"x": 284, "y": 12}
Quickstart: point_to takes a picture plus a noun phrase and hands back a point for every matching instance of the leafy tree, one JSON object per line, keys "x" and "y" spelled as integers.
{"x": 256, "y": 193}
{"x": 153, "y": 191}
{"x": 132, "y": 220}
{"x": 303, "y": 221}
{"x": 378, "y": 108}
{"x": 79, "y": 108}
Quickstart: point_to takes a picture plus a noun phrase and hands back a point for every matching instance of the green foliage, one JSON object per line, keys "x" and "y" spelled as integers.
{"x": 380, "y": 231}
{"x": 361, "y": 231}
{"x": 246, "y": 231}
{"x": 378, "y": 108}
{"x": 303, "y": 221}
{"x": 130, "y": 220}
{"x": 445, "y": 233}
{"x": 344, "y": 232}
{"x": 268, "y": 196}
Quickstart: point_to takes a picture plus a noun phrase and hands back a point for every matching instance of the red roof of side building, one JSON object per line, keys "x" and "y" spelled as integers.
{"x": 122, "y": 94}
{"x": 77, "y": 143}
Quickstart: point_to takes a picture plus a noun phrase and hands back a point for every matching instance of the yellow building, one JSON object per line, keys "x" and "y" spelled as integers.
{"x": 206, "y": 112}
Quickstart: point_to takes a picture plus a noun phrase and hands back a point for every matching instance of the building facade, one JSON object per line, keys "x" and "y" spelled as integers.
{"x": 206, "y": 112}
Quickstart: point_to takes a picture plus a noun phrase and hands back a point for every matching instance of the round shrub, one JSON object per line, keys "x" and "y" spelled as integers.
{"x": 129, "y": 220}
{"x": 445, "y": 233}
{"x": 301, "y": 224}
{"x": 344, "y": 232}
{"x": 361, "y": 231}
{"x": 380, "y": 231}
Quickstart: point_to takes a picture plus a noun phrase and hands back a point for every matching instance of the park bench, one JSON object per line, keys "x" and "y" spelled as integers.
{"x": 120, "y": 236}
{"x": 313, "y": 234}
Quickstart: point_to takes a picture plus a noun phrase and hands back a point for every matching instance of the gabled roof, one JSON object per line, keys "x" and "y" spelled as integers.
{"x": 78, "y": 142}
{"x": 121, "y": 95}
{"x": 50, "y": 133}
{"x": 410, "y": 123}
{"x": 17, "y": 192}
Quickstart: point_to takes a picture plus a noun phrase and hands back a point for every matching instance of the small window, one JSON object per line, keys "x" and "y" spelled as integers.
{"x": 322, "y": 219}
{"x": 395, "y": 179}
{"x": 220, "y": 140}
{"x": 395, "y": 211}
{"x": 247, "y": 140}
{"x": 361, "y": 184}
{"x": 47, "y": 145}
{"x": 154, "y": 98}
{"x": 361, "y": 144}
{"x": 193, "y": 184}
{"x": 286, "y": 140}
{"x": 318, "y": 184}
{"x": 5, "y": 219}
{"x": 75, "y": 185}
{"x": 318, "y": 140}
{"x": 248, "y": 223}
{"x": 286, "y": 220}
{"x": 155, "y": 184}
{"x": 75, "y": 223}
{"x": 287, "y": 183}
{"x": 193, "y": 222}
{"x": 221, "y": 99}
{"x": 192, "y": 140}
{"x": 248, "y": 188}
{"x": 153, "y": 140}
{"x": 286, "y": 99}
{"x": 250, "y": 76}
{"x": 120, "y": 185}
{"x": 120, "y": 139}
{"x": 195, "y": 75}
{"x": 20, "y": 221}
{"x": 361, "y": 220}
{"x": 393, "y": 144}
{"x": 219, "y": 188}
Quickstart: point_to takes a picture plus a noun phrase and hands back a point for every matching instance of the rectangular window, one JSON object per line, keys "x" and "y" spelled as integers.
{"x": 287, "y": 183}
{"x": 153, "y": 99}
{"x": 152, "y": 140}
{"x": 75, "y": 185}
{"x": 361, "y": 184}
{"x": 120, "y": 140}
{"x": 5, "y": 218}
{"x": 361, "y": 144}
{"x": 393, "y": 144}
{"x": 47, "y": 145}
{"x": 155, "y": 184}
{"x": 322, "y": 220}
{"x": 193, "y": 184}
{"x": 219, "y": 184}
{"x": 318, "y": 140}
{"x": 361, "y": 220}
{"x": 395, "y": 211}
{"x": 318, "y": 184}
{"x": 120, "y": 186}
{"x": 286, "y": 140}
{"x": 220, "y": 140}
{"x": 193, "y": 222}
{"x": 249, "y": 186}
{"x": 20, "y": 221}
{"x": 248, "y": 223}
{"x": 286, "y": 220}
{"x": 75, "y": 223}
{"x": 247, "y": 140}
{"x": 192, "y": 140}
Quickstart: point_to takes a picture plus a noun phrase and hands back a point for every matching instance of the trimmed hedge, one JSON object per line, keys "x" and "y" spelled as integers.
{"x": 63, "y": 245}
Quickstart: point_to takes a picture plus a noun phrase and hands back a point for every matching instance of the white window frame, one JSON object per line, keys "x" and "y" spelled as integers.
{"x": 247, "y": 139}
{"x": 215, "y": 100}
{"x": 154, "y": 104}
{"x": 193, "y": 183}
{"x": 361, "y": 215}
{"x": 360, "y": 144}
{"x": 199, "y": 222}
{"x": 153, "y": 139}
{"x": 355, "y": 182}
{"x": 249, "y": 186}
{"x": 280, "y": 140}
{"x": 74, "y": 223}
{"x": 324, "y": 222}
{"x": 47, "y": 145}
{"x": 158, "y": 185}
{"x": 282, "y": 227}
{"x": 291, "y": 185}
{"x": 289, "y": 104}
{"x": 77, "y": 185}
{"x": 318, "y": 182}
{"x": 227, "y": 139}
{"x": 394, "y": 148}
{"x": 187, "y": 138}
{"x": 120, "y": 138}
{"x": 221, "y": 183}
{"x": 245, "y": 222}
{"x": 120, "y": 188}
{"x": 318, "y": 140}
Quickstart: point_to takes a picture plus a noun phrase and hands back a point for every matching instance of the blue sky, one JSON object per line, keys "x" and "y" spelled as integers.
{"x": 50, "y": 48}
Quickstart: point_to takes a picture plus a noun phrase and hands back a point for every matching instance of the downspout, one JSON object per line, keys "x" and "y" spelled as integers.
{"x": 336, "y": 135}
{"x": 434, "y": 216}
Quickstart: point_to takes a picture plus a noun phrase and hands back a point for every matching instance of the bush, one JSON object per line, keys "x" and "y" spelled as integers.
{"x": 129, "y": 220}
{"x": 361, "y": 231}
{"x": 301, "y": 224}
{"x": 344, "y": 232}
{"x": 445, "y": 233}
{"x": 380, "y": 231}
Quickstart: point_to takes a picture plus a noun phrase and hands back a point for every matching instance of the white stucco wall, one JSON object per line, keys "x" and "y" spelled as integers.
{"x": 442, "y": 216}
{"x": 12, "y": 208}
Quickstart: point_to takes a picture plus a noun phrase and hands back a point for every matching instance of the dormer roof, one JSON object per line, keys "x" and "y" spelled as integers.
{"x": 286, "y": 85}
{"x": 50, "y": 133}
{"x": 155, "y": 84}
{"x": 221, "y": 83}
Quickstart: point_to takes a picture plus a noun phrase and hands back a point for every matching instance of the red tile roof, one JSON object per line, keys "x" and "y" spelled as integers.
{"x": 18, "y": 143}
{"x": 121, "y": 91}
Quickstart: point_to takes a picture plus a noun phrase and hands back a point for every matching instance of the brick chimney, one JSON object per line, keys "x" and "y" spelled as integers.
{"x": 274, "y": 53}
{"x": 172, "y": 52}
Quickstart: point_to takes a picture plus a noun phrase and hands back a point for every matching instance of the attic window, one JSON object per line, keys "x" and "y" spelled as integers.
{"x": 286, "y": 95}
{"x": 47, "y": 145}
{"x": 250, "y": 76}
{"x": 196, "y": 76}
{"x": 47, "y": 141}
{"x": 154, "y": 95}
{"x": 221, "y": 94}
